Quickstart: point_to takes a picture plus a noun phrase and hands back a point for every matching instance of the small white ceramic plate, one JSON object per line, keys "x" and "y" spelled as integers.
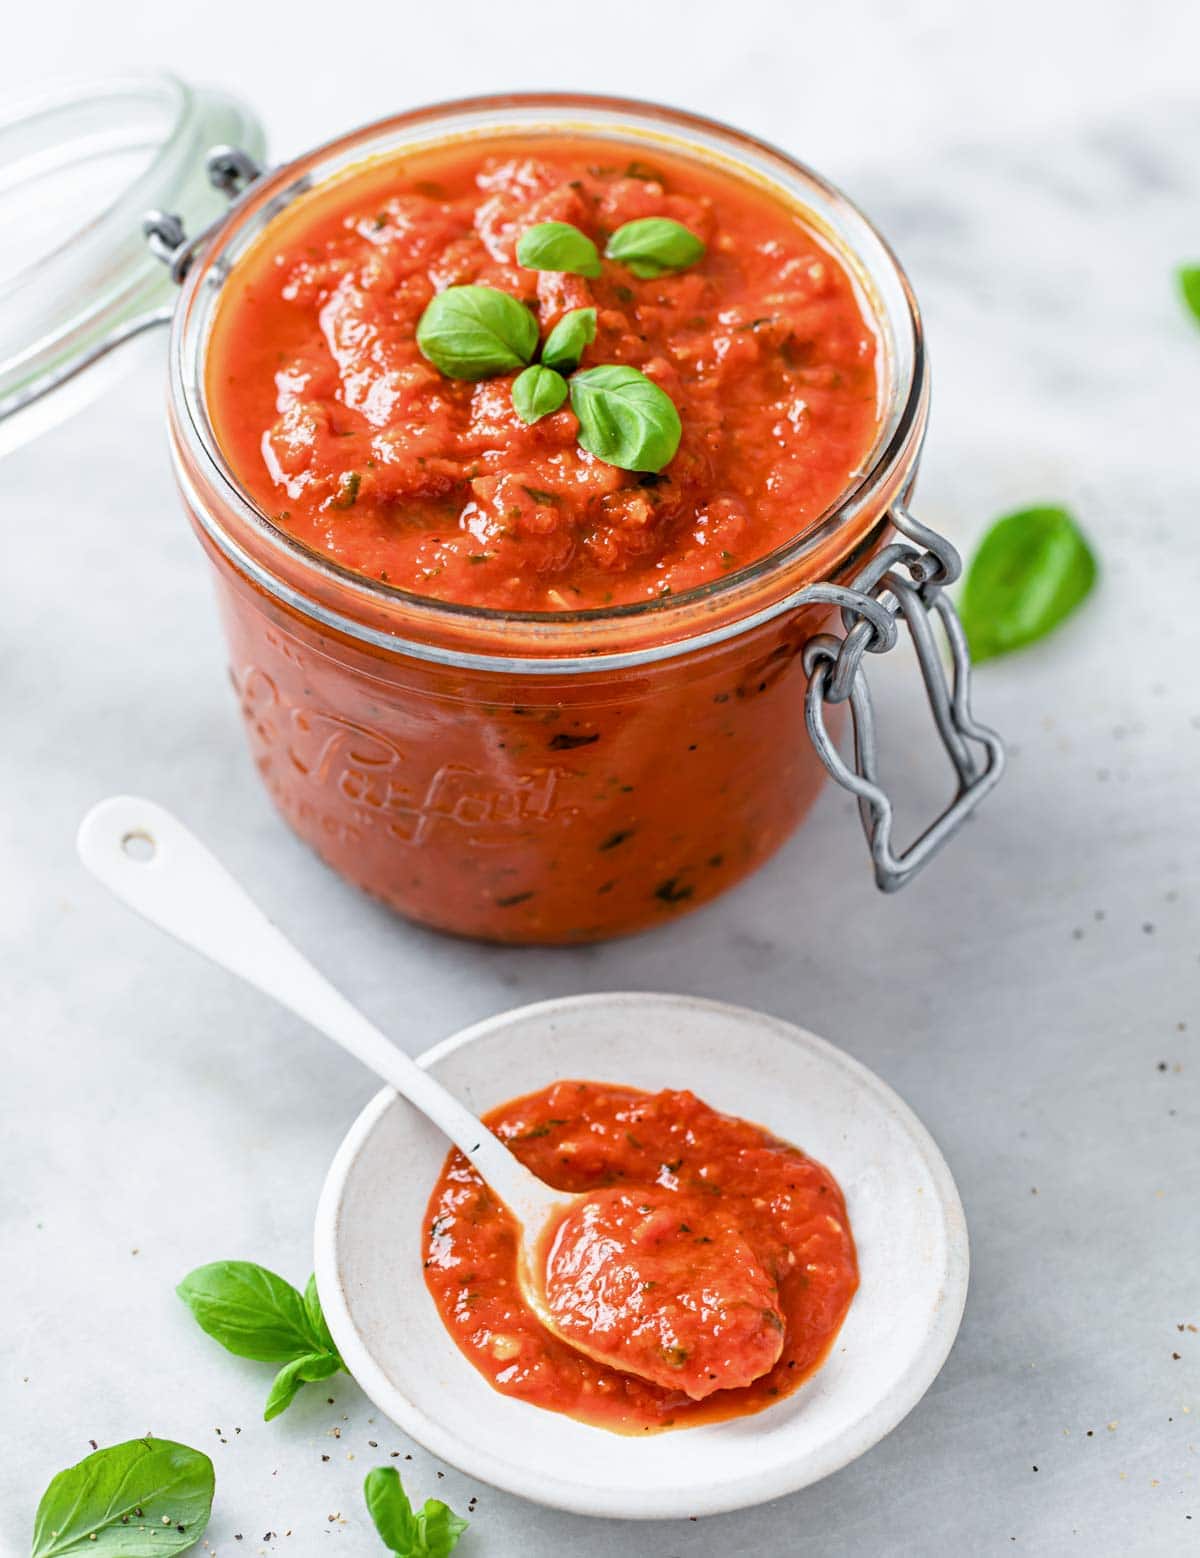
{"x": 904, "y": 1210}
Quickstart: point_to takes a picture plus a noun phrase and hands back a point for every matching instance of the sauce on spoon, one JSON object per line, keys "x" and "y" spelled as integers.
{"x": 629, "y": 1276}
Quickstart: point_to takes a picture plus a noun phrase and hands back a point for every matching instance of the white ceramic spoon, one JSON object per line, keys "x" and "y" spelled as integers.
{"x": 150, "y": 860}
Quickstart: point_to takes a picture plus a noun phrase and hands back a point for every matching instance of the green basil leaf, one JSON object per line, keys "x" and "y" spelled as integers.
{"x": 624, "y": 418}
{"x": 141, "y": 1499}
{"x": 1189, "y": 285}
{"x": 440, "y": 1529}
{"x": 537, "y": 392}
{"x": 558, "y": 246}
{"x": 565, "y": 343}
{"x": 1031, "y": 570}
{"x": 316, "y": 1317}
{"x": 433, "y": 1533}
{"x": 475, "y": 332}
{"x": 250, "y": 1311}
{"x": 389, "y": 1508}
{"x": 300, "y": 1371}
{"x": 654, "y": 244}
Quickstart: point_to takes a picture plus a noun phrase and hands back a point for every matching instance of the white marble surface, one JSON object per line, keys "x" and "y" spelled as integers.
{"x": 1035, "y": 996}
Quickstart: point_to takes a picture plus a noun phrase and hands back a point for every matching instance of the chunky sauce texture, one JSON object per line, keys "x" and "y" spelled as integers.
{"x": 664, "y": 1285}
{"x": 777, "y": 1218}
{"x": 339, "y": 428}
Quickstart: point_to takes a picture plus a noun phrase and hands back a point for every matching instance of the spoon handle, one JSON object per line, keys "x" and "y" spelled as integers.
{"x": 147, "y": 857}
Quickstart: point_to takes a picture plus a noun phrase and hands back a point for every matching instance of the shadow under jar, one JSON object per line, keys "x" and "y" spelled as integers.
{"x": 558, "y": 776}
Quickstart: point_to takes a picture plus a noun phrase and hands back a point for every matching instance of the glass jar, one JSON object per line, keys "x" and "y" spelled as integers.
{"x": 564, "y": 777}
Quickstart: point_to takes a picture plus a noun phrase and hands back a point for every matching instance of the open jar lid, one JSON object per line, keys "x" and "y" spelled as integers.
{"x": 81, "y": 163}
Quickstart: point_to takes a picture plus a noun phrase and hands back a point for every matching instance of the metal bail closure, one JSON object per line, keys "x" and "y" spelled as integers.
{"x": 229, "y": 170}
{"x": 836, "y": 675}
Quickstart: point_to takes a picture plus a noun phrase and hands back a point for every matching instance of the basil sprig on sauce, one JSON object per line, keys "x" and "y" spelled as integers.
{"x": 146, "y": 1498}
{"x": 1189, "y": 286}
{"x": 476, "y": 332}
{"x": 431, "y": 1532}
{"x": 1031, "y": 571}
{"x": 255, "y": 1314}
{"x": 624, "y": 418}
{"x": 558, "y": 246}
{"x": 653, "y": 245}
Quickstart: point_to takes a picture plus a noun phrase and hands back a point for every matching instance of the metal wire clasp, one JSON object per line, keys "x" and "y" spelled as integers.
{"x": 230, "y": 170}
{"x": 882, "y": 596}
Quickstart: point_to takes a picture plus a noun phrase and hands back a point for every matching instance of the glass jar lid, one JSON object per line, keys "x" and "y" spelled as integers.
{"x": 81, "y": 163}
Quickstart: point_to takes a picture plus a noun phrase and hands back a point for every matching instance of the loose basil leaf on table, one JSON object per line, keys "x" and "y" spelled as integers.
{"x": 440, "y": 1528}
{"x": 537, "y": 392}
{"x": 625, "y": 418}
{"x": 141, "y": 1499}
{"x": 256, "y": 1314}
{"x": 1032, "y": 569}
{"x": 557, "y": 246}
{"x": 566, "y": 342}
{"x": 249, "y": 1310}
{"x": 299, "y": 1372}
{"x": 652, "y": 245}
{"x": 473, "y": 332}
{"x": 1189, "y": 286}
{"x": 432, "y": 1532}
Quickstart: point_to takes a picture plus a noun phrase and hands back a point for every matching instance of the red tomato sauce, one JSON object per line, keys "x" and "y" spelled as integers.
{"x": 779, "y": 1213}
{"x": 664, "y": 1285}
{"x": 352, "y": 441}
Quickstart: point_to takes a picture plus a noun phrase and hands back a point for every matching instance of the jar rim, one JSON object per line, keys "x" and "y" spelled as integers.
{"x": 681, "y": 621}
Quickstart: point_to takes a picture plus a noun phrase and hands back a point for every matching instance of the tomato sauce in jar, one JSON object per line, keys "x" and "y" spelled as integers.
{"x": 360, "y": 447}
{"x": 723, "y": 1174}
